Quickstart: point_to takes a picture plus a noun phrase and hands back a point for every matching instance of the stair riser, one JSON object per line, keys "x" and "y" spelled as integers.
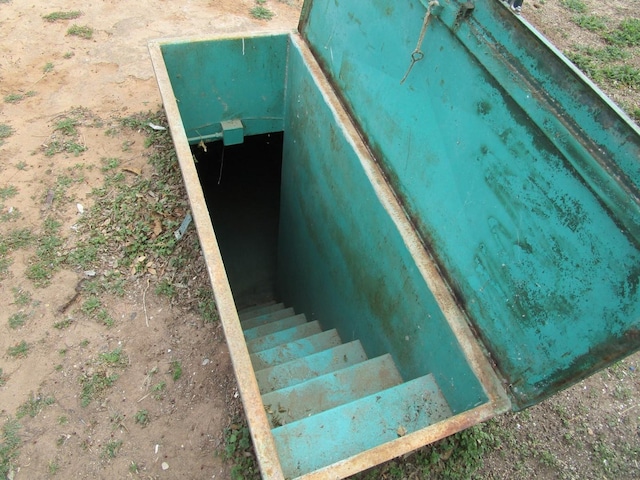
{"x": 298, "y": 371}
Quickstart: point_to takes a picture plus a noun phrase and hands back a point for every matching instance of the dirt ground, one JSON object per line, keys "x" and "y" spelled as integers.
{"x": 110, "y": 75}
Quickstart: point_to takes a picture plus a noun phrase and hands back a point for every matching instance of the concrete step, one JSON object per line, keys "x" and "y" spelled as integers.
{"x": 342, "y": 432}
{"x": 283, "y": 336}
{"x": 259, "y": 310}
{"x": 331, "y": 390}
{"x": 274, "y": 326}
{"x": 295, "y": 349}
{"x": 311, "y": 366}
{"x": 265, "y": 318}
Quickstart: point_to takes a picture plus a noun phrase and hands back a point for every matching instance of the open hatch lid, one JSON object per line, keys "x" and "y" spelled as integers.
{"x": 520, "y": 176}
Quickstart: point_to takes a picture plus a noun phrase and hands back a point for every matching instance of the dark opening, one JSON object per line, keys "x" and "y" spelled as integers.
{"x": 241, "y": 184}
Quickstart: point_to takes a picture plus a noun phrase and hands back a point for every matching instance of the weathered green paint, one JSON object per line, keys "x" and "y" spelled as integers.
{"x": 520, "y": 177}
{"x": 238, "y": 78}
{"x": 341, "y": 259}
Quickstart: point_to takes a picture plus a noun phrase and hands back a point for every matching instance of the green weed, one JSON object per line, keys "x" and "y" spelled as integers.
{"x": 239, "y": 450}
{"x": 158, "y": 390}
{"x": 21, "y": 297}
{"x": 577, "y": 6}
{"x": 13, "y": 98}
{"x": 176, "y": 370}
{"x": 62, "y": 324}
{"x": 166, "y": 288}
{"x": 626, "y": 34}
{"x": 17, "y": 320}
{"x": 111, "y": 449}
{"x": 47, "y": 68}
{"x": 53, "y": 467}
{"x": 100, "y": 378}
{"x": 5, "y": 132}
{"x": 9, "y": 447}
{"x": 593, "y": 23}
{"x": 261, "y": 13}
{"x": 34, "y": 406}
{"x": 206, "y": 305}
{"x": 3, "y": 378}
{"x": 91, "y": 305}
{"x": 58, "y": 16}
{"x": 8, "y": 192}
{"x": 82, "y": 31}
{"x": 19, "y": 350}
{"x": 142, "y": 418}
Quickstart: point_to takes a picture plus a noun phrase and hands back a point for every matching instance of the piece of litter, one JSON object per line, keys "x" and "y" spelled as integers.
{"x": 165, "y": 466}
{"x": 157, "y": 446}
{"x": 80, "y": 208}
{"x": 90, "y": 273}
{"x": 156, "y": 127}
{"x": 205, "y": 361}
{"x": 401, "y": 431}
{"x": 183, "y": 227}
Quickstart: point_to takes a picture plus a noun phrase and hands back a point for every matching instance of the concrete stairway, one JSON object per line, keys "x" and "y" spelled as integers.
{"x": 327, "y": 400}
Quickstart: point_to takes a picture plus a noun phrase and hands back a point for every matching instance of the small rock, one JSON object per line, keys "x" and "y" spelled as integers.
{"x": 165, "y": 466}
{"x": 205, "y": 361}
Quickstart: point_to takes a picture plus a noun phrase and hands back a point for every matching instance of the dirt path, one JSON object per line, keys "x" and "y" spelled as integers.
{"x": 148, "y": 423}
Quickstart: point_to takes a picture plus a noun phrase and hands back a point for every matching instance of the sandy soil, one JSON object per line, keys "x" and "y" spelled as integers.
{"x": 110, "y": 75}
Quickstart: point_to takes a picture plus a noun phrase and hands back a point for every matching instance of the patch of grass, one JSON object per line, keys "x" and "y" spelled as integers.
{"x": 166, "y": 288}
{"x": 175, "y": 369}
{"x": 3, "y": 378}
{"x": 5, "y": 132}
{"x": 13, "y": 98}
{"x": 239, "y": 450}
{"x": 91, "y": 305}
{"x": 261, "y": 13}
{"x": 48, "y": 256}
{"x": 100, "y": 376}
{"x": 19, "y": 238}
{"x": 68, "y": 55}
{"x": 19, "y": 350}
{"x": 577, "y": 6}
{"x": 63, "y": 324}
{"x": 8, "y": 192}
{"x": 17, "y": 320}
{"x": 593, "y": 23}
{"x": 67, "y": 126}
{"x": 207, "y": 305}
{"x": 158, "y": 390}
{"x": 53, "y": 467}
{"x": 624, "y": 74}
{"x": 34, "y": 405}
{"x": 60, "y": 15}
{"x": 142, "y": 418}
{"x": 626, "y": 34}
{"x": 9, "y": 447}
{"x": 21, "y": 298}
{"x": 82, "y": 31}
{"x": 48, "y": 67}
{"x": 133, "y": 468}
{"x": 111, "y": 449}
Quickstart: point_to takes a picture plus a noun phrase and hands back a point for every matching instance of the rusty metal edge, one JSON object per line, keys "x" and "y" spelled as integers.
{"x": 259, "y": 426}
{"x": 474, "y": 352}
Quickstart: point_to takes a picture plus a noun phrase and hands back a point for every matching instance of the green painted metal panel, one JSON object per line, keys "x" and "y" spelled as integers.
{"x": 228, "y": 79}
{"x": 520, "y": 177}
{"x": 341, "y": 257}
